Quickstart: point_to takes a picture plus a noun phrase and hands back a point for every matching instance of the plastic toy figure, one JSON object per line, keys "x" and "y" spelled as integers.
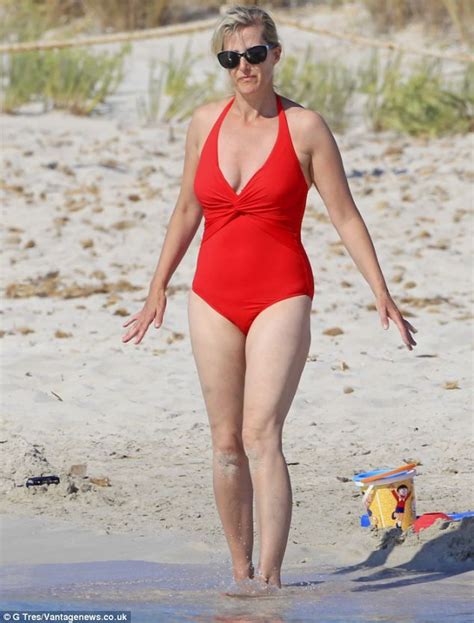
{"x": 401, "y": 495}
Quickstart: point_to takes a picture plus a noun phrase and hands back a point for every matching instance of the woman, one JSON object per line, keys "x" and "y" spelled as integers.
{"x": 249, "y": 163}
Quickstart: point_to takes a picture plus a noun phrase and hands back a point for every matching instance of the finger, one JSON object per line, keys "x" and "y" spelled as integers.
{"x": 408, "y": 329}
{"x": 410, "y": 345}
{"x": 128, "y": 336}
{"x": 160, "y": 315}
{"x": 406, "y": 335}
{"x": 398, "y": 320}
{"x": 412, "y": 328}
{"x": 407, "y": 338}
{"x": 384, "y": 318}
{"x": 141, "y": 332}
{"x": 130, "y": 320}
{"x": 139, "y": 337}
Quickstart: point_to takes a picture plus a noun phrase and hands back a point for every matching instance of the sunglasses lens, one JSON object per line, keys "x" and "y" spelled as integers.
{"x": 256, "y": 55}
{"x": 229, "y": 59}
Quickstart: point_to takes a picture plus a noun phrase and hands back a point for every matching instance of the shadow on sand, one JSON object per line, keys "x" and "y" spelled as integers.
{"x": 449, "y": 554}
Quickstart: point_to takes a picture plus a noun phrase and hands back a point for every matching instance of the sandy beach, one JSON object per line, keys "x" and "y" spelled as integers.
{"x": 85, "y": 206}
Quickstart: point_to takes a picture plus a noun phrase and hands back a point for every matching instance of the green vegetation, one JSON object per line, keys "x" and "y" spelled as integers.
{"x": 176, "y": 84}
{"x": 21, "y": 80}
{"x": 73, "y": 79}
{"x": 23, "y": 20}
{"x": 419, "y": 101}
{"x": 323, "y": 86}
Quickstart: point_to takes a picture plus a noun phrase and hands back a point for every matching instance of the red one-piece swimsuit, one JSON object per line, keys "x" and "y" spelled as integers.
{"x": 251, "y": 254}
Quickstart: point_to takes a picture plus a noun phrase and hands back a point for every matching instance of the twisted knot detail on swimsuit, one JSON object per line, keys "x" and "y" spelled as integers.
{"x": 242, "y": 265}
{"x": 275, "y": 195}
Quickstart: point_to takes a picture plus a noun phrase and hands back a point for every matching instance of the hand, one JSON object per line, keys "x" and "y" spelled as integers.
{"x": 153, "y": 310}
{"x": 387, "y": 309}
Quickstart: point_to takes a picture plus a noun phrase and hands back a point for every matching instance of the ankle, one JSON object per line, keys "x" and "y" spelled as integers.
{"x": 241, "y": 572}
{"x": 268, "y": 578}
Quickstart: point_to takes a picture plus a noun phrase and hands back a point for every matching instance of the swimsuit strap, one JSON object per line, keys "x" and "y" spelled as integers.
{"x": 223, "y": 113}
{"x": 279, "y": 103}
{"x": 284, "y": 121}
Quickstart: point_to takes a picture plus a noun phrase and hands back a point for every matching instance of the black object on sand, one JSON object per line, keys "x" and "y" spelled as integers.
{"x": 42, "y": 480}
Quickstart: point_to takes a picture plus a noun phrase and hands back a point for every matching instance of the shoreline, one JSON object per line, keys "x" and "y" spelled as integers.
{"x": 127, "y": 577}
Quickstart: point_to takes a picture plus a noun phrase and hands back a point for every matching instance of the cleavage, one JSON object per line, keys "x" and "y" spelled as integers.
{"x": 243, "y": 152}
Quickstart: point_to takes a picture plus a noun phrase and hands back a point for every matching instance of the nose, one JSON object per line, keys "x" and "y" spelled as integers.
{"x": 242, "y": 58}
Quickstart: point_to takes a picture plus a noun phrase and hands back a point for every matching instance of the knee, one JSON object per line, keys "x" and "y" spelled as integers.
{"x": 259, "y": 440}
{"x": 229, "y": 456}
{"x": 228, "y": 445}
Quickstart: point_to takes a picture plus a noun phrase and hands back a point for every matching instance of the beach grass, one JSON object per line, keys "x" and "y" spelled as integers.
{"x": 421, "y": 100}
{"x": 173, "y": 92}
{"x": 72, "y": 79}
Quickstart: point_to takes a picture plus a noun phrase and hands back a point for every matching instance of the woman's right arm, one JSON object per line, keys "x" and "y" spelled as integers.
{"x": 181, "y": 229}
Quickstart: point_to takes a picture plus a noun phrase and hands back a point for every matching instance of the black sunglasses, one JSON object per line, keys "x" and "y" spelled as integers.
{"x": 254, "y": 55}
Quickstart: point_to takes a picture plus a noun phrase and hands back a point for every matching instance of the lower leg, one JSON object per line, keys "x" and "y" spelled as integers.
{"x": 234, "y": 498}
{"x": 271, "y": 481}
{"x": 273, "y": 371}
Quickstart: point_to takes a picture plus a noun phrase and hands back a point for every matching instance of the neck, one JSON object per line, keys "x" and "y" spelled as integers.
{"x": 250, "y": 107}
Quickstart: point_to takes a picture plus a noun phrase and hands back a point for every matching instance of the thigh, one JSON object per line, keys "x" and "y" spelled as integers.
{"x": 277, "y": 347}
{"x": 219, "y": 352}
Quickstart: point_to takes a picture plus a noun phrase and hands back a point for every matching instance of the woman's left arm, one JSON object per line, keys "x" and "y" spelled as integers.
{"x": 327, "y": 174}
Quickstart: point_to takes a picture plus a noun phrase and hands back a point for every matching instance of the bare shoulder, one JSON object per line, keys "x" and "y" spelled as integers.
{"x": 204, "y": 116}
{"x": 301, "y": 116}
{"x": 209, "y": 108}
{"x": 308, "y": 127}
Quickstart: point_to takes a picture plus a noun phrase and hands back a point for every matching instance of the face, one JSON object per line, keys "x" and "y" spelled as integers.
{"x": 248, "y": 78}
{"x": 403, "y": 492}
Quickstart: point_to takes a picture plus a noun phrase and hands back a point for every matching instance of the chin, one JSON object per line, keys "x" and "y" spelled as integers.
{"x": 247, "y": 85}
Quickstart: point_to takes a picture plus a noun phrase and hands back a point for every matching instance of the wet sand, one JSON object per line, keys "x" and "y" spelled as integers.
{"x": 160, "y": 592}
{"x": 150, "y": 578}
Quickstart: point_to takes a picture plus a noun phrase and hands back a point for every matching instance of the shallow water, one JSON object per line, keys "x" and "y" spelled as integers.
{"x": 158, "y": 592}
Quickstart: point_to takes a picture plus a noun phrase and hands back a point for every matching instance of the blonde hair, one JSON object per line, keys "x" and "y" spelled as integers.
{"x": 240, "y": 16}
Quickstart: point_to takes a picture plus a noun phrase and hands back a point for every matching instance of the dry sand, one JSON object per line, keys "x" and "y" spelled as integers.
{"x": 85, "y": 206}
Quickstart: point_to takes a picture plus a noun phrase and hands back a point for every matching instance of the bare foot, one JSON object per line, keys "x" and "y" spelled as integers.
{"x": 241, "y": 573}
{"x": 265, "y": 582}
{"x": 256, "y": 587}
